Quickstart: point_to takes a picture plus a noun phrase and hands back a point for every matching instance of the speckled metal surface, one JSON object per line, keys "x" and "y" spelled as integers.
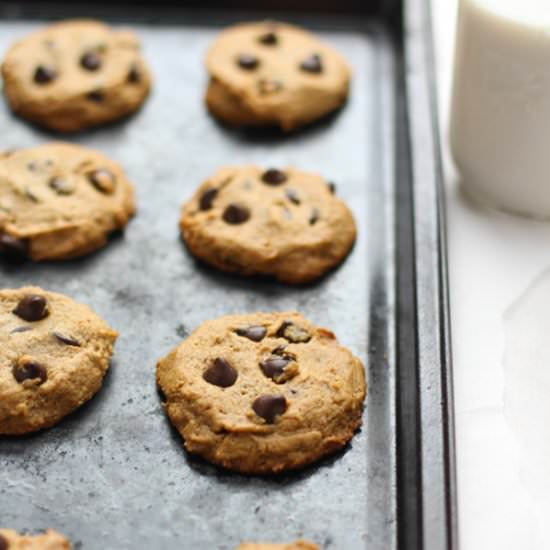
{"x": 114, "y": 475}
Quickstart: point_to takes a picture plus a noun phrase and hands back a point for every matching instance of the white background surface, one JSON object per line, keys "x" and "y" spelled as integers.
{"x": 500, "y": 300}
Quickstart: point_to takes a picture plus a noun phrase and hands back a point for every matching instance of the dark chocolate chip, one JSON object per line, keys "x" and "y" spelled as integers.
{"x": 256, "y": 333}
{"x": 220, "y": 373}
{"x": 102, "y": 180}
{"x": 312, "y": 64}
{"x": 134, "y": 75}
{"x": 268, "y": 39}
{"x": 314, "y": 217}
{"x": 269, "y": 406}
{"x": 331, "y": 187}
{"x": 44, "y": 74}
{"x": 32, "y": 307}
{"x": 275, "y": 365}
{"x": 247, "y": 61}
{"x": 274, "y": 177}
{"x": 279, "y": 350}
{"x": 207, "y": 198}
{"x": 61, "y": 186}
{"x": 64, "y": 339}
{"x": 96, "y": 95}
{"x": 13, "y": 248}
{"x": 90, "y": 61}
{"x": 235, "y": 214}
{"x": 3, "y": 543}
{"x": 293, "y": 196}
{"x": 20, "y": 329}
{"x": 266, "y": 86}
{"x": 29, "y": 371}
{"x": 293, "y": 333}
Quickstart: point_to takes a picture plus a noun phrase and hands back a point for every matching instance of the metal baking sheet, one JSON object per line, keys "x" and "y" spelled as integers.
{"x": 114, "y": 475}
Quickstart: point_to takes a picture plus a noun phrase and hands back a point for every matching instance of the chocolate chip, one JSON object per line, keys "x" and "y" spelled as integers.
{"x": 266, "y": 86}
{"x": 293, "y": 333}
{"x": 235, "y": 214}
{"x": 247, "y": 61}
{"x": 44, "y": 74}
{"x": 32, "y": 307}
{"x": 29, "y": 371}
{"x": 134, "y": 75}
{"x": 312, "y": 64}
{"x": 220, "y": 373}
{"x": 90, "y": 61}
{"x": 331, "y": 187}
{"x": 96, "y": 95}
{"x": 3, "y": 543}
{"x": 274, "y": 177}
{"x": 279, "y": 350}
{"x": 102, "y": 180}
{"x": 256, "y": 333}
{"x": 274, "y": 366}
{"x": 269, "y": 406}
{"x": 61, "y": 186}
{"x": 13, "y": 248}
{"x": 207, "y": 198}
{"x": 68, "y": 340}
{"x": 314, "y": 217}
{"x": 269, "y": 38}
{"x": 292, "y": 196}
{"x": 20, "y": 329}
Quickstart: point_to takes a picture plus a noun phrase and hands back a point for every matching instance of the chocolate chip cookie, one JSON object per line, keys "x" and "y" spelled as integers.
{"x": 54, "y": 354}
{"x": 75, "y": 75}
{"x": 60, "y": 201}
{"x": 262, "y": 393}
{"x": 274, "y": 74}
{"x": 296, "y": 545}
{"x": 284, "y": 223}
{"x": 49, "y": 540}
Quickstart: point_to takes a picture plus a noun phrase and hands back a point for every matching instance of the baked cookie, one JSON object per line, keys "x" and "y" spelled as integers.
{"x": 287, "y": 224}
{"x": 262, "y": 393}
{"x": 60, "y": 201}
{"x": 54, "y": 354}
{"x": 49, "y": 540}
{"x": 75, "y": 75}
{"x": 296, "y": 545}
{"x": 273, "y": 74}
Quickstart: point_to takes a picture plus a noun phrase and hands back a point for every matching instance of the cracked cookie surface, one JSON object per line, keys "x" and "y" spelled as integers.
{"x": 283, "y": 223}
{"x": 49, "y": 540}
{"x": 54, "y": 353}
{"x": 270, "y": 73}
{"x": 75, "y": 74}
{"x": 262, "y": 393}
{"x": 60, "y": 201}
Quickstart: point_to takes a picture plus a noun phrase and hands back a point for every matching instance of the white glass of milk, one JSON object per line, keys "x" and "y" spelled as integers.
{"x": 500, "y": 117}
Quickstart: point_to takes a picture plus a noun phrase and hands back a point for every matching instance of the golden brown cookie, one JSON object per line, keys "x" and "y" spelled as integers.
{"x": 49, "y": 540}
{"x": 54, "y": 354}
{"x": 288, "y": 224}
{"x": 296, "y": 545}
{"x": 60, "y": 201}
{"x": 75, "y": 75}
{"x": 265, "y": 74}
{"x": 263, "y": 392}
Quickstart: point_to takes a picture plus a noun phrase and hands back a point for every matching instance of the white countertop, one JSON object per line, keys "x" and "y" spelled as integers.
{"x": 500, "y": 314}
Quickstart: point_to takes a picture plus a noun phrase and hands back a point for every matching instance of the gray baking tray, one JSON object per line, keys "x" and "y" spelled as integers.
{"x": 114, "y": 476}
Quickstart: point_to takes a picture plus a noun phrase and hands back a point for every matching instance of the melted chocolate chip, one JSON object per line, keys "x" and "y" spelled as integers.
{"x": 236, "y": 214}
{"x": 268, "y": 39}
{"x": 3, "y": 543}
{"x": 20, "y": 329}
{"x": 266, "y": 86}
{"x": 312, "y": 64}
{"x": 331, "y": 187}
{"x": 61, "y": 186}
{"x": 134, "y": 75}
{"x": 96, "y": 95}
{"x": 207, "y": 198}
{"x": 44, "y": 74}
{"x": 67, "y": 340}
{"x": 220, "y": 373}
{"x": 90, "y": 61}
{"x": 29, "y": 371}
{"x": 293, "y": 333}
{"x": 314, "y": 217}
{"x": 274, "y": 366}
{"x": 269, "y": 406}
{"x": 248, "y": 61}
{"x": 274, "y": 177}
{"x": 102, "y": 180}
{"x": 32, "y": 307}
{"x": 293, "y": 196}
{"x": 13, "y": 248}
{"x": 256, "y": 333}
